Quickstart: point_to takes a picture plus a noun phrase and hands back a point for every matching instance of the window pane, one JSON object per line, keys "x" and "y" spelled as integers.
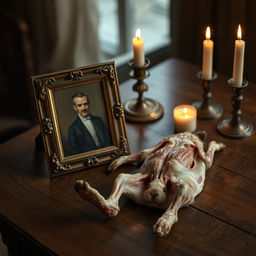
{"x": 119, "y": 20}
{"x": 152, "y": 17}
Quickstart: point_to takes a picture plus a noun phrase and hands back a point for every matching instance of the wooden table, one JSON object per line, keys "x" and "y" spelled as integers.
{"x": 42, "y": 216}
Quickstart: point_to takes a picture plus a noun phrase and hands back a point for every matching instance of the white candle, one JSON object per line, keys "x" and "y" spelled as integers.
{"x": 207, "y": 55}
{"x": 184, "y": 118}
{"x": 138, "y": 49}
{"x": 238, "y": 65}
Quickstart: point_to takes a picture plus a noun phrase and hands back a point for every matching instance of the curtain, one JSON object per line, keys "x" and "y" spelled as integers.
{"x": 64, "y": 33}
{"x": 189, "y": 20}
{"x": 77, "y": 42}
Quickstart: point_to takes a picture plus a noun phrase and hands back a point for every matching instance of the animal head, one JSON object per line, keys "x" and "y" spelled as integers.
{"x": 155, "y": 192}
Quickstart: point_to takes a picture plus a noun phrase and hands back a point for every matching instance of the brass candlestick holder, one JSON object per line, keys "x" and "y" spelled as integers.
{"x": 141, "y": 109}
{"x": 235, "y": 127}
{"x": 207, "y": 109}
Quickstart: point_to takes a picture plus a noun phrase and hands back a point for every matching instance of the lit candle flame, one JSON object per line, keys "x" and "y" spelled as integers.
{"x": 185, "y": 112}
{"x": 208, "y": 33}
{"x": 239, "y": 33}
{"x": 138, "y": 33}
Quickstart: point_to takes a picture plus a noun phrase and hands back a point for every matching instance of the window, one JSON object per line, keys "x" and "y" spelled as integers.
{"x": 119, "y": 20}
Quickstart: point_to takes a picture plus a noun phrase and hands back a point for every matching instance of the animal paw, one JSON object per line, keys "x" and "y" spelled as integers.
{"x": 221, "y": 146}
{"x": 112, "y": 166}
{"x": 115, "y": 164}
{"x": 89, "y": 194}
{"x": 83, "y": 188}
{"x": 108, "y": 207}
{"x": 80, "y": 185}
{"x": 218, "y": 145}
{"x": 164, "y": 225}
{"x": 111, "y": 211}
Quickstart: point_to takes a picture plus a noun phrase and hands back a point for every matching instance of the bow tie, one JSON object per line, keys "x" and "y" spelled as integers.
{"x": 86, "y": 118}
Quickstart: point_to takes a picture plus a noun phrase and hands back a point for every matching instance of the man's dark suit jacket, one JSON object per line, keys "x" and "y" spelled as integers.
{"x": 80, "y": 140}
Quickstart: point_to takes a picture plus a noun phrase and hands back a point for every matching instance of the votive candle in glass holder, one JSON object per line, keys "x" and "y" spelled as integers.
{"x": 184, "y": 117}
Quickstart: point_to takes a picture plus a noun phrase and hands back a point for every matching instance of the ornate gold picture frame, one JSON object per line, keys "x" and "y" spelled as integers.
{"x": 81, "y": 117}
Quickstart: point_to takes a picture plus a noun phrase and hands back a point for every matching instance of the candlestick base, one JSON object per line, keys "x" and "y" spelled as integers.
{"x": 145, "y": 111}
{"x": 210, "y": 111}
{"x": 242, "y": 130}
{"x": 207, "y": 109}
{"x": 235, "y": 127}
{"x": 141, "y": 109}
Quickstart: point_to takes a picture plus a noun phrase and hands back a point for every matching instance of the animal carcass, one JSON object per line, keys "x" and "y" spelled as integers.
{"x": 171, "y": 176}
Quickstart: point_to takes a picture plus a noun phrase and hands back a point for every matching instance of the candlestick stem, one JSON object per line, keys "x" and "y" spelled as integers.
{"x": 236, "y": 100}
{"x": 207, "y": 109}
{"x": 235, "y": 127}
{"x": 141, "y": 109}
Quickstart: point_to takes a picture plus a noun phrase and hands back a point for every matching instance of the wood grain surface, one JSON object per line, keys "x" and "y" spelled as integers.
{"x": 42, "y": 216}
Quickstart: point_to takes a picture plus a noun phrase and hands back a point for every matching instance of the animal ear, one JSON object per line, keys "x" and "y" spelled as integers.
{"x": 201, "y": 135}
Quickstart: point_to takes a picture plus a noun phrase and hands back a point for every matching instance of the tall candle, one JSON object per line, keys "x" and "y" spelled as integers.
{"x": 138, "y": 49}
{"x": 238, "y": 65}
{"x": 207, "y": 55}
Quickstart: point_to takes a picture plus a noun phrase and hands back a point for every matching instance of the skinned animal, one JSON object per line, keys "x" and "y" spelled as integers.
{"x": 172, "y": 174}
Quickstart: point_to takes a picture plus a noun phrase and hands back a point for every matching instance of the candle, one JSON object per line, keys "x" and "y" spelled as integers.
{"x": 238, "y": 65}
{"x": 138, "y": 49}
{"x": 207, "y": 55}
{"x": 184, "y": 118}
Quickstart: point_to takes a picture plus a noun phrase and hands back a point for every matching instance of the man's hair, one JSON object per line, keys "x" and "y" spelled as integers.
{"x": 79, "y": 95}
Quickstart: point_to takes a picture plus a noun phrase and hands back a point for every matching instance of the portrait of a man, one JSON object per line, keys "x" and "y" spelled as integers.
{"x": 87, "y": 132}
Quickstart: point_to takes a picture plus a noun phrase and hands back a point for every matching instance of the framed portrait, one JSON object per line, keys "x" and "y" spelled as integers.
{"x": 81, "y": 117}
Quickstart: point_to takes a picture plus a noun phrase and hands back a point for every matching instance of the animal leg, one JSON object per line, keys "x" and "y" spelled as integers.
{"x": 122, "y": 184}
{"x": 183, "y": 196}
{"x": 212, "y": 148}
{"x": 208, "y": 156}
{"x": 94, "y": 197}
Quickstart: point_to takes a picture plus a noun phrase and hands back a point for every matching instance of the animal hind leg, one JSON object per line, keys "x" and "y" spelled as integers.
{"x": 110, "y": 207}
{"x": 91, "y": 195}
